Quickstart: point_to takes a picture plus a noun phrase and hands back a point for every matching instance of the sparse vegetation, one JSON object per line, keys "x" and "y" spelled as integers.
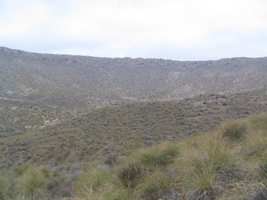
{"x": 138, "y": 141}
{"x": 90, "y": 82}
{"x": 206, "y": 166}
{"x": 117, "y": 130}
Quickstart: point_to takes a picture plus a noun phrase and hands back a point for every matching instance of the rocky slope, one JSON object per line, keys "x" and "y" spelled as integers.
{"x": 84, "y": 83}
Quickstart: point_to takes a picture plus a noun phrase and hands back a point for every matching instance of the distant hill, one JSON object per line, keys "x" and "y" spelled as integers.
{"x": 16, "y": 116}
{"x": 84, "y": 83}
{"x": 114, "y": 131}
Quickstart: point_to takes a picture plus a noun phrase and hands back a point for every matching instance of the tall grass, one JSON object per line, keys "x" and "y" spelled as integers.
{"x": 198, "y": 166}
{"x": 32, "y": 182}
{"x": 153, "y": 184}
{"x": 159, "y": 155}
{"x": 25, "y": 183}
{"x": 130, "y": 173}
{"x": 91, "y": 180}
{"x": 100, "y": 184}
{"x": 235, "y": 130}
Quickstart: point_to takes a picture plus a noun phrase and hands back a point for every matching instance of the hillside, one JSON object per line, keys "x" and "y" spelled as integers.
{"x": 16, "y": 117}
{"x": 84, "y": 83}
{"x": 229, "y": 163}
{"x": 113, "y": 131}
{"x": 81, "y": 127}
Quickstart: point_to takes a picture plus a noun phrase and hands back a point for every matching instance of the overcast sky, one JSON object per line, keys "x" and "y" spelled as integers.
{"x": 168, "y": 29}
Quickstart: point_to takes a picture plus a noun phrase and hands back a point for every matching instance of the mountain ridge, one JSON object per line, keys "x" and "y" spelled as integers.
{"x": 15, "y": 50}
{"x": 86, "y": 83}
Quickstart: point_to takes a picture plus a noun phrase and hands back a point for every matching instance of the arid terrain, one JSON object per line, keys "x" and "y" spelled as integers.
{"x": 80, "y": 127}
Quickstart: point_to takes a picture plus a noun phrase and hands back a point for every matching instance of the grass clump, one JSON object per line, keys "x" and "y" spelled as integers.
{"x": 130, "y": 174}
{"x": 31, "y": 183}
{"x": 91, "y": 180}
{"x": 159, "y": 155}
{"x": 100, "y": 184}
{"x": 201, "y": 163}
{"x": 235, "y": 130}
{"x": 153, "y": 184}
{"x": 28, "y": 182}
{"x": 255, "y": 146}
{"x": 19, "y": 171}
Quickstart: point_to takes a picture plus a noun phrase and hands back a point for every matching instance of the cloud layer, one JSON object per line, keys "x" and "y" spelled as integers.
{"x": 170, "y": 29}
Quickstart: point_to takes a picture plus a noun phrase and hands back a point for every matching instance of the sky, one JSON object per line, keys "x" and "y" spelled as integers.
{"x": 167, "y": 29}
